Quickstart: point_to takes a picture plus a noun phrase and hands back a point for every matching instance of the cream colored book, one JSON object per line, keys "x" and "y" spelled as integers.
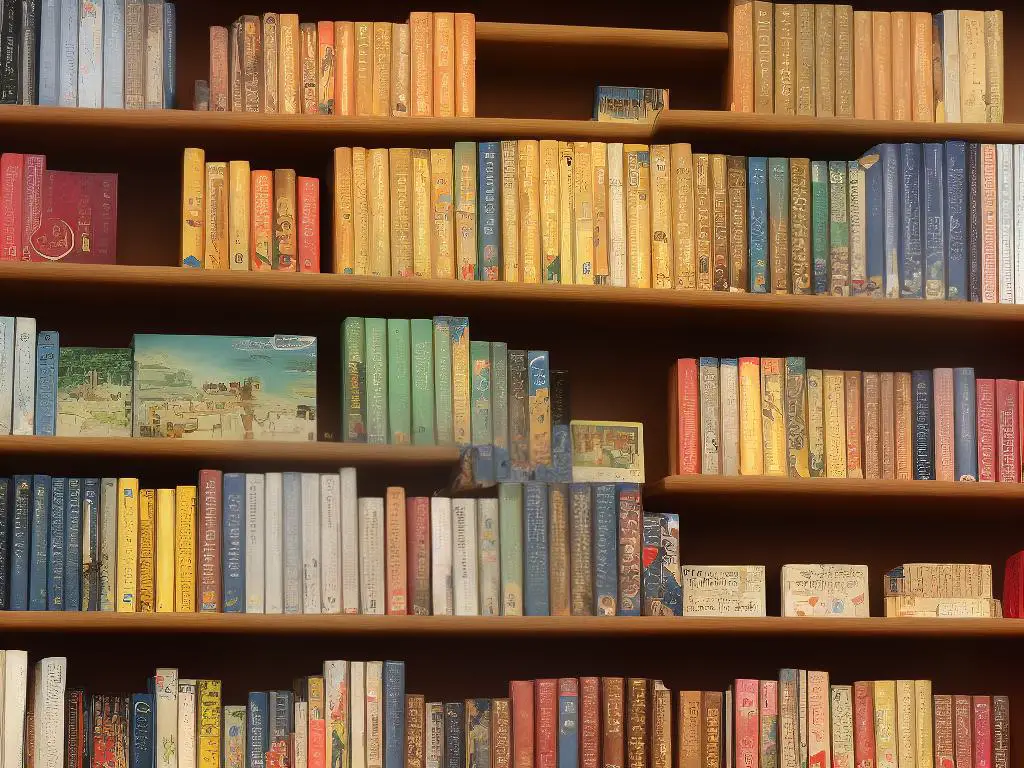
{"x": 599, "y": 171}
{"x": 400, "y": 166}
{"x": 886, "y": 754}
{"x": 549, "y": 210}
{"x": 835, "y": 423}
{"x": 378, "y": 199}
{"x": 288, "y": 72}
{"x": 344, "y": 219}
{"x": 825, "y": 589}
{"x": 773, "y": 416}
{"x": 906, "y": 724}
{"x": 816, "y": 422}
{"x": 381, "y": 78}
{"x": 442, "y": 241}
{"x": 510, "y": 261}
{"x": 239, "y": 177}
{"x": 364, "y": 67}
{"x": 703, "y": 220}
{"x": 925, "y": 732}
{"x": 728, "y": 374}
{"x": 994, "y": 87}
{"x": 566, "y": 211}
{"x": 751, "y": 445}
{"x": 422, "y": 221}
{"x": 973, "y": 72}
{"x": 616, "y": 216}
{"x": 723, "y": 590}
{"x": 215, "y": 250}
{"x": 531, "y": 251}
{"x": 583, "y": 214}
{"x": 683, "y": 254}
{"x": 401, "y": 71}
{"x": 662, "y": 256}
{"x": 636, "y": 179}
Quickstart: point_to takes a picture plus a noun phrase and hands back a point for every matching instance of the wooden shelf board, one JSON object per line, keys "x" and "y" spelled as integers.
{"x": 604, "y": 39}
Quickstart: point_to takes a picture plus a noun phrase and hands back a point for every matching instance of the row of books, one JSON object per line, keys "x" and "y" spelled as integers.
{"x": 775, "y": 416}
{"x": 828, "y": 60}
{"x": 236, "y": 218}
{"x": 358, "y": 713}
{"x": 425, "y": 67}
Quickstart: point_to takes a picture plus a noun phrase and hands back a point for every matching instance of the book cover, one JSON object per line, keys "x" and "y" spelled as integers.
{"x": 47, "y": 353}
{"x": 751, "y": 447}
{"x": 56, "y": 507}
{"x": 1005, "y": 223}
{"x": 795, "y": 394}
{"x": 581, "y": 564}
{"x": 704, "y": 221}
{"x": 800, "y": 225}
{"x": 441, "y": 587}
{"x": 233, "y": 554}
{"x": 773, "y": 416}
{"x": 637, "y": 185}
{"x": 825, "y": 61}
{"x": 461, "y": 381}
{"x": 377, "y": 379}
{"x": 719, "y": 224}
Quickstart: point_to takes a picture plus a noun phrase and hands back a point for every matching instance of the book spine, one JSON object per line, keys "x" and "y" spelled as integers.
{"x": 7, "y": 355}
{"x": 863, "y": 73}
{"x": 466, "y": 212}
{"x": 910, "y": 242}
{"x": 233, "y": 553}
{"x": 965, "y": 459}
{"x": 114, "y": 53}
{"x": 854, "y": 424}
{"x": 630, "y": 518}
{"x": 751, "y": 446}
{"x": 21, "y": 537}
{"x": 261, "y": 211}
{"x": 906, "y": 724}
{"x": 399, "y": 382}
{"x": 354, "y": 423}
{"x": 153, "y": 83}
{"x": 741, "y": 57}
{"x": 804, "y": 59}
{"x": 686, "y": 406}
{"x": 719, "y": 223}
{"x": 465, "y": 65}
{"x": 682, "y": 211}
{"x": 422, "y": 379}
{"x": 558, "y": 547}
{"x": 824, "y": 63}
{"x": 989, "y": 226}
{"x": 903, "y": 420}
{"x": 1005, "y": 221}
{"x": 461, "y": 381}
{"x": 67, "y": 64}
{"x": 376, "y": 378}
{"x": 528, "y": 172}
{"x": 1007, "y": 448}
{"x": 981, "y": 707}
{"x": 922, "y": 104}
{"x": 778, "y": 223}
{"x": 858, "y": 227}
{"x": 308, "y": 216}
{"x": 795, "y": 388}
{"x": 820, "y": 226}
{"x": 291, "y": 542}
{"x": 872, "y": 426}
{"x": 872, "y": 167}
{"x": 214, "y": 217}
{"x": 443, "y": 380}
{"x": 956, "y": 232}
{"x": 239, "y": 180}
{"x": 127, "y": 544}
{"x": 785, "y": 56}
{"x": 583, "y": 213}
{"x": 637, "y": 183}
{"x": 349, "y": 528}
{"x": 773, "y": 416}
{"x": 568, "y": 722}
{"x": 993, "y": 40}
{"x": 47, "y": 354}
{"x": 924, "y": 458}
{"x": 396, "y": 545}
{"x": 800, "y": 225}
{"x": 441, "y": 588}
{"x": 421, "y": 214}
{"x": 465, "y": 583}
{"x": 616, "y": 216}
{"x": 1000, "y": 732}
{"x": 510, "y": 513}
{"x": 488, "y": 545}
{"x": 757, "y": 184}
{"x": 942, "y": 714}
{"x": 442, "y": 247}
{"x": 764, "y": 66}
{"x": 581, "y": 564}
{"x": 963, "y": 745}
{"x": 210, "y": 542}
{"x": 23, "y": 414}
{"x": 704, "y": 217}
{"x": 746, "y": 718}
{"x": 844, "y": 54}
{"x": 147, "y": 551}
{"x": 902, "y": 65}
{"x": 401, "y": 250}
{"x": 839, "y": 230}
{"x": 54, "y": 550}
{"x": 835, "y": 423}
{"x": 986, "y": 410}
{"x": 170, "y": 55}
{"x": 344, "y": 212}
{"x": 394, "y": 714}
{"x": 184, "y": 548}
{"x": 371, "y": 560}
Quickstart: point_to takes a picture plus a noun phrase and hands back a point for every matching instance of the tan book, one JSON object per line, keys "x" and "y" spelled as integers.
{"x": 326, "y": 67}
{"x": 599, "y": 172}
{"x": 239, "y": 177}
{"x": 252, "y": 64}
{"x": 719, "y": 224}
{"x": 764, "y": 65}
{"x": 703, "y": 218}
{"x": 773, "y": 417}
{"x": 308, "y": 66}
{"x": 736, "y": 182}
{"x": 741, "y": 57}
{"x": 844, "y": 61}
{"x": 872, "y": 426}
{"x": 549, "y": 220}
{"x": 193, "y": 210}
{"x": 360, "y": 212}
{"x": 271, "y": 57}
{"x": 661, "y": 217}
{"x": 689, "y": 719}
{"x": 637, "y": 182}
{"x": 422, "y": 220}
{"x": 881, "y": 64}
{"x": 785, "y": 59}
{"x": 973, "y": 72}
{"x": 800, "y": 224}
{"x": 400, "y": 166}
{"x": 379, "y": 203}
{"x": 220, "y": 78}
{"x": 344, "y": 68}
{"x": 400, "y": 70}
{"x": 364, "y": 67}
{"x": 902, "y": 65}
{"x": 380, "y": 98}
{"x": 529, "y": 210}
{"x": 421, "y": 63}
{"x": 583, "y": 214}
{"x": 288, "y": 68}
{"x": 804, "y": 62}
{"x": 344, "y": 232}
{"x": 923, "y": 87}
{"x": 444, "y": 64}
{"x": 442, "y": 205}
{"x": 465, "y": 65}
{"x": 835, "y": 423}
{"x": 902, "y": 424}
{"x": 994, "y": 88}
{"x": 685, "y": 267}
{"x": 510, "y": 263}
{"x": 816, "y": 422}
{"x": 854, "y": 426}
{"x": 825, "y": 60}
{"x": 863, "y": 77}
{"x": 566, "y": 212}
{"x": 215, "y": 249}
{"x": 887, "y": 426}
{"x": 796, "y": 418}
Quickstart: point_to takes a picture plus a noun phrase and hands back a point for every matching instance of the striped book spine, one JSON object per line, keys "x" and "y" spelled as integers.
{"x": 1005, "y": 222}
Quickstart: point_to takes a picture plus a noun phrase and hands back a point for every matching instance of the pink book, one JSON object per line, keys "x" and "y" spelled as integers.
{"x": 32, "y": 202}
{"x": 942, "y": 382}
{"x": 687, "y": 410}
{"x": 746, "y": 727}
{"x": 1007, "y": 448}
{"x": 79, "y": 221}
{"x": 417, "y": 510}
{"x": 309, "y": 224}
{"x": 395, "y": 552}
{"x": 819, "y": 721}
{"x": 986, "y": 409}
{"x": 982, "y": 707}
{"x": 769, "y": 722}
{"x": 590, "y": 722}
{"x": 12, "y": 171}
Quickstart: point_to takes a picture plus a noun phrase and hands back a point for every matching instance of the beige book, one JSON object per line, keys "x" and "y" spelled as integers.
{"x": 923, "y": 85}
{"x": 444, "y": 64}
{"x": 844, "y": 60}
{"x": 835, "y": 424}
{"x": 785, "y": 58}
{"x": 215, "y": 248}
{"x": 467, "y": 221}
{"x": 360, "y": 212}
{"x": 599, "y": 168}
{"x": 400, "y": 166}
{"x": 583, "y": 214}
{"x": 289, "y": 101}
{"x": 529, "y": 210}
{"x": 764, "y": 67}
{"x": 825, "y": 60}
{"x": 887, "y": 426}
{"x": 881, "y": 64}
{"x": 271, "y": 58}
{"x": 773, "y": 416}
{"x": 511, "y": 266}
{"x": 994, "y": 88}
{"x": 442, "y": 241}
{"x": 422, "y": 220}
{"x": 973, "y": 71}
{"x": 906, "y": 724}
{"x": 741, "y": 56}
{"x": 903, "y": 443}
{"x": 344, "y": 232}
{"x": 637, "y": 180}
{"x": 239, "y": 177}
{"x": 379, "y": 205}
{"x": 465, "y": 65}
{"x": 902, "y": 65}
{"x": 380, "y": 103}
{"x": 661, "y": 217}
{"x": 685, "y": 267}
{"x": 364, "y": 67}
{"x": 344, "y": 68}
{"x": 566, "y": 210}
{"x": 804, "y": 62}
{"x": 816, "y": 422}
{"x": 549, "y": 214}
{"x": 736, "y": 185}
{"x": 719, "y": 224}
{"x": 309, "y": 102}
{"x": 703, "y": 218}
{"x": 421, "y": 63}
{"x": 400, "y": 71}
{"x": 923, "y": 714}
{"x": 863, "y": 77}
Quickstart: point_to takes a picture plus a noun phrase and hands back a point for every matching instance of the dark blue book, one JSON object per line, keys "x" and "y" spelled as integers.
{"x": 37, "y": 575}
{"x": 257, "y": 737}
{"x": 170, "y": 56}
{"x": 47, "y": 353}
{"x": 974, "y": 221}
{"x": 21, "y": 542}
{"x": 934, "y": 221}
{"x": 233, "y": 556}
{"x": 911, "y": 255}
{"x": 57, "y": 531}
{"x": 890, "y": 154}
{"x": 394, "y": 714}
{"x": 73, "y": 548}
{"x": 568, "y": 723}
{"x": 651, "y": 580}
{"x": 923, "y": 453}
{"x": 143, "y": 727}
{"x": 281, "y": 705}
{"x": 874, "y": 206}
{"x": 454, "y": 734}
{"x": 821, "y": 224}
{"x": 965, "y": 425}
{"x": 606, "y": 550}
{"x": 91, "y": 544}
{"x": 5, "y": 543}
{"x": 956, "y": 220}
{"x": 536, "y": 600}
{"x": 757, "y": 203}
{"x": 489, "y": 239}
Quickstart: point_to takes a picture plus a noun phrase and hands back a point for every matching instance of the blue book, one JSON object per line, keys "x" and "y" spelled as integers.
{"x": 170, "y": 56}
{"x": 965, "y": 425}
{"x": 606, "y": 550}
{"x": 921, "y": 415}
{"x": 143, "y": 727}
{"x": 55, "y": 573}
{"x": 73, "y": 548}
{"x": 561, "y": 442}
{"x": 757, "y": 202}
{"x": 47, "y": 353}
{"x": 90, "y": 581}
{"x": 630, "y": 515}
{"x": 874, "y": 206}
{"x": 67, "y": 69}
{"x": 233, "y": 554}
{"x": 291, "y": 485}
{"x": 974, "y": 222}
{"x": 911, "y": 247}
{"x": 489, "y": 239}
{"x": 37, "y": 574}
{"x": 821, "y": 222}
{"x": 454, "y": 734}
{"x": 536, "y": 600}
{"x": 568, "y": 723}
{"x": 5, "y": 542}
{"x": 394, "y": 714}
{"x": 650, "y": 582}
{"x": 956, "y": 220}
{"x": 49, "y": 51}
{"x": 668, "y": 561}
{"x": 478, "y": 733}
{"x": 21, "y": 542}
{"x": 257, "y": 737}
{"x": 113, "y": 53}
{"x": 891, "y": 193}
{"x": 933, "y": 227}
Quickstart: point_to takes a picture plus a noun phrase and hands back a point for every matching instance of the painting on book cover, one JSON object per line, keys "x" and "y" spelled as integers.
{"x": 607, "y": 452}
{"x": 94, "y": 392}
{"x": 225, "y": 387}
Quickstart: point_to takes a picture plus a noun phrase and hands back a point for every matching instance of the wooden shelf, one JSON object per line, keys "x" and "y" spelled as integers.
{"x": 599, "y": 41}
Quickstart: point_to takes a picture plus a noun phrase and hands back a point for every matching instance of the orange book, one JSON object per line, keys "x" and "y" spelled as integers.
{"x": 465, "y": 65}
{"x": 741, "y": 57}
{"x": 344, "y": 68}
{"x": 942, "y": 430}
{"x": 308, "y": 214}
{"x": 902, "y": 66}
{"x": 421, "y": 34}
{"x": 872, "y": 426}
{"x": 854, "y": 425}
{"x": 261, "y": 222}
{"x": 923, "y": 106}
{"x": 363, "y": 35}
{"x": 881, "y": 64}
{"x": 380, "y": 88}
{"x": 764, "y": 60}
{"x": 444, "y": 65}
{"x": 325, "y": 67}
{"x": 863, "y": 90}
{"x": 903, "y": 443}
{"x": 396, "y": 582}
{"x": 887, "y": 427}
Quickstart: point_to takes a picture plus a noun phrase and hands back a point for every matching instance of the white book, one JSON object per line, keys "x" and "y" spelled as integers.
{"x": 108, "y": 542}
{"x": 330, "y": 543}
{"x": 374, "y": 714}
{"x": 255, "y": 545}
{"x": 273, "y": 561}
{"x": 710, "y": 417}
{"x": 729, "y": 376}
{"x": 299, "y": 739}
{"x": 6, "y": 373}
{"x": 15, "y": 699}
{"x": 349, "y": 541}
{"x": 433, "y": 719}
{"x": 825, "y": 589}
{"x": 165, "y": 684}
{"x": 1004, "y": 220}
{"x": 113, "y": 54}
{"x": 336, "y": 698}
{"x": 441, "y": 598}
{"x": 489, "y": 549}
{"x": 186, "y": 723}
{"x": 1018, "y": 223}
{"x": 858, "y": 221}
{"x": 371, "y": 560}
{"x": 616, "y": 217}
{"x": 310, "y": 542}
{"x": 24, "y": 409}
{"x": 357, "y": 732}
{"x": 90, "y": 53}
{"x": 68, "y": 55}
{"x": 464, "y": 562}
{"x": 153, "y": 85}
{"x": 951, "y": 65}
{"x": 50, "y": 682}
{"x": 842, "y": 725}
{"x": 291, "y": 494}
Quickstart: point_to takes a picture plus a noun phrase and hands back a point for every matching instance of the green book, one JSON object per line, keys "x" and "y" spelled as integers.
{"x": 353, "y": 384}
{"x": 422, "y": 331}
{"x": 819, "y": 225}
{"x": 376, "y": 380}
{"x": 499, "y": 408}
{"x": 839, "y": 231}
{"x": 399, "y": 382}
{"x": 510, "y": 541}
{"x": 481, "y": 425}
{"x": 778, "y": 223}
{"x": 443, "y": 381}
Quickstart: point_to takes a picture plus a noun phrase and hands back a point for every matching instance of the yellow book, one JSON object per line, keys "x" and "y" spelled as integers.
{"x": 466, "y": 220}
{"x": 773, "y": 416}
{"x": 972, "y": 67}
{"x": 702, "y": 219}
{"x": 344, "y": 233}
{"x": 345, "y": 68}
{"x": 923, "y": 713}
{"x": 421, "y": 218}
{"x": 599, "y": 172}
{"x": 511, "y": 264}
{"x": 360, "y": 213}
{"x": 400, "y": 71}
{"x": 239, "y": 176}
{"x": 444, "y": 64}
{"x": 193, "y": 184}
{"x": 835, "y": 423}
{"x": 566, "y": 210}
{"x": 185, "y": 549}
{"x": 906, "y": 724}
{"x": 637, "y": 180}
{"x": 661, "y": 217}
{"x": 165, "y": 545}
{"x": 549, "y": 218}
{"x": 400, "y": 163}
{"x": 364, "y": 67}
{"x": 209, "y": 722}
{"x": 583, "y": 214}
{"x": 381, "y": 105}
{"x": 751, "y": 440}
{"x": 147, "y": 550}
{"x": 442, "y": 242}
{"x": 378, "y": 201}
{"x": 683, "y": 254}
{"x": 815, "y": 422}
{"x": 126, "y": 596}
{"x": 795, "y": 396}
{"x": 289, "y": 101}
{"x": 461, "y": 383}
{"x": 215, "y": 250}
{"x": 261, "y": 220}
{"x": 529, "y": 210}
{"x": 719, "y": 224}
{"x": 885, "y": 722}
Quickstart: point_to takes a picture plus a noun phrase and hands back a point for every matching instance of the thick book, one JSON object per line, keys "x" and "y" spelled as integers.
{"x": 758, "y": 223}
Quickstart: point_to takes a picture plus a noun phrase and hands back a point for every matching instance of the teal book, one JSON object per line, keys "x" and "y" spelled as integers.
{"x": 839, "y": 230}
{"x": 399, "y": 382}
{"x": 443, "y": 381}
{"x": 819, "y": 225}
{"x": 510, "y": 521}
{"x": 422, "y": 333}
{"x": 376, "y": 380}
{"x": 499, "y": 408}
{"x": 757, "y": 201}
{"x": 481, "y": 424}
{"x": 778, "y": 224}
{"x": 353, "y": 385}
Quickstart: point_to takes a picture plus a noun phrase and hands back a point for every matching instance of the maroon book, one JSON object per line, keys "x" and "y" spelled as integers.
{"x": 79, "y": 218}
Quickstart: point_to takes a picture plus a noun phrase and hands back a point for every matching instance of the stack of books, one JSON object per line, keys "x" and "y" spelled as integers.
{"x": 940, "y": 589}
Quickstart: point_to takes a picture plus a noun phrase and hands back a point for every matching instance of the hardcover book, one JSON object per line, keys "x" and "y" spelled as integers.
{"x": 79, "y": 219}
{"x": 94, "y": 392}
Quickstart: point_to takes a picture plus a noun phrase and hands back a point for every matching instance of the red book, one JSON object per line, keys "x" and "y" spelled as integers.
{"x": 309, "y": 224}
{"x": 963, "y": 746}
{"x": 210, "y": 481}
{"x": 745, "y": 723}
{"x": 982, "y": 706}
{"x": 1013, "y": 588}
{"x": 686, "y": 407}
{"x": 590, "y": 722}
{"x": 417, "y": 531}
{"x": 942, "y": 398}
{"x": 75, "y": 725}
{"x": 943, "y": 740}
{"x": 316, "y": 752}
{"x": 1007, "y": 448}
{"x": 986, "y": 394}
{"x": 12, "y": 172}
{"x": 863, "y": 723}
{"x": 79, "y": 219}
{"x": 521, "y": 693}
{"x": 547, "y": 723}
{"x": 32, "y": 201}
